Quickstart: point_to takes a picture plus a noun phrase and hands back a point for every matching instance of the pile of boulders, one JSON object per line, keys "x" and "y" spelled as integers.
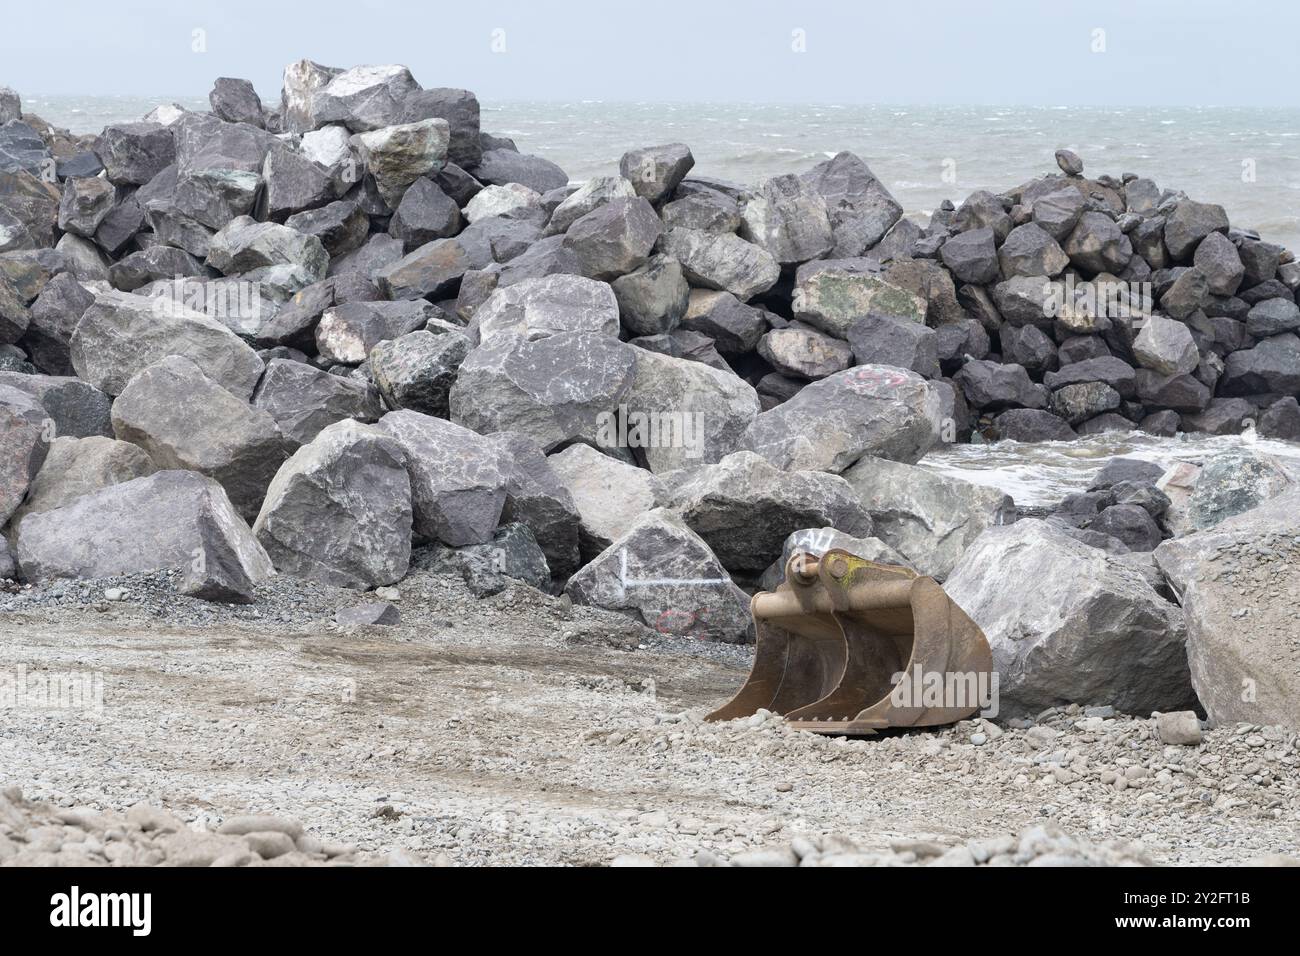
{"x": 355, "y": 331}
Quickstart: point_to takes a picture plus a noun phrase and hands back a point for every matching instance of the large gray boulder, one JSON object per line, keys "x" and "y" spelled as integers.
{"x": 539, "y": 307}
{"x": 76, "y": 409}
{"x": 363, "y": 98}
{"x": 460, "y": 108}
{"x": 722, "y": 261}
{"x": 458, "y": 479}
{"x": 537, "y": 499}
{"x": 1070, "y": 623}
{"x": 800, "y": 351}
{"x": 744, "y": 508}
{"x": 303, "y": 399}
{"x": 1233, "y": 482}
{"x": 1166, "y": 347}
{"x": 929, "y": 518}
{"x": 883, "y": 340}
{"x": 679, "y": 413}
{"x": 655, "y": 171}
{"x": 244, "y": 244}
{"x": 184, "y": 419}
{"x": 592, "y": 194}
{"x": 78, "y": 466}
{"x": 25, "y": 436}
{"x": 615, "y": 238}
{"x": 861, "y": 209}
{"x": 788, "y": 218}
{"x": 339, "y": 510}
{"x": 867, "y": 410}
{"x": 170, "y": 519}
{"x": 134, "y": 153}
{"x": 236, "y": 101}
{"x": 433, "y": 269}
{"x": 653, "y": 298}
{"x": 84, "y": 205}
{"x": 1096, "y": 244}
{"x": 835, "y": 296}
{"x": 1239, "y": 584}
{"x": 1188, "y": 223}
{"x": 417, "y": 370}
{"x": 398, "y": 155}
{"x": 662, "y": 574}
{"x": 1272, "y": 366}
{"x": 122, "y": 334}
{"x": 347, "y": 333}
{"x": 608, "y": 494}
{"x": 557, "y": 388}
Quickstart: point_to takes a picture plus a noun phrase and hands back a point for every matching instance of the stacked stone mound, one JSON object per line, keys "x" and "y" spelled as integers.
{"x": 354, "y": 331}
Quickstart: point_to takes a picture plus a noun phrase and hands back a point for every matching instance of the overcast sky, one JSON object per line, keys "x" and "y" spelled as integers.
{"x": 1013, "y": 52}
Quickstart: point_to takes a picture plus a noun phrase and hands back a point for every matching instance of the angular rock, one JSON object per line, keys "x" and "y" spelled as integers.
{"x": 364, "y": 97}
{"x": 347, "y": 333}
{"x": 615, "y": 238}
{"x": 817, "y": 541}
{"x": 1188, "y": 223}
{"x": 1273, "y": 317}
{"x": 539, "y": 307}
{"x": 990, "y": 385}
{"x": 861, "y": 209}
{"x": 169, "y": 519}
{"x": 396, "y": 156}
{"x": 868, "y": 410}
{"x": 500, "y": 166}
{"x": 84, "y": 205}
{"x": 554, "y": 389}
{"x": 930, "y": 519}
{"x": 1078, "y": 403}
{"x": 1234, "y": 482}
{"x": 722, "y": 261}
{"x": 1089, "y": 630}
{"x": 121, "y": 334}
{"x": 77, "y": 466}
{"x": 1097, "y": 245}
{"x": 744, "y": 508}
{"x": 971, "y": 256}
{"x": 1239, "y": 588}
{"x": 235, "y": 101}
{"x": 184, "y": 419}
{"x": 1032, "y": 425}
{"x": 76, "y": 409}
{"x": 245, "y": 244}
{"x": 303, "y": 399}
{"x": 788, "y": 218}
{"x": 25, "y": 437}
{"x": 1029, "y": 250}
{"x": 538, "y": 499}
{"x": 134, "y": 153}
{"x": 679, "y": 413}
{"x": 341, "y": 227}
{"x": 653, "y": 298}
{"x": 661, "y": 573}
{"x": 339, "y": 510}
{"x": 418, "y": 369}
{"x": 434, "y": 269}
{"x": 1271, "y": 367}
{"x": 458, "y": 480}
{"x": 1217, "y": 258}
{"x": 460, "y": 108}
{"x": 609, "y": 495}
{"x": 655, "y": 171}
{"x": 1166, "y": 347}
{"x": 801, "y": 351}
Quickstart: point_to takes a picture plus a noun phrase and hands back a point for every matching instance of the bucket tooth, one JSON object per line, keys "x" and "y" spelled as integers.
{"x": 835, "y": 636}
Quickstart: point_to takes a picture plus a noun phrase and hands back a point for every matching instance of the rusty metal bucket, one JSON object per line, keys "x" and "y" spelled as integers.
{"x": 835, "y": 636}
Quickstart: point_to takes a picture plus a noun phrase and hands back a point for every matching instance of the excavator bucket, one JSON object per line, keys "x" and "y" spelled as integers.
{"x": 849, "y": 646}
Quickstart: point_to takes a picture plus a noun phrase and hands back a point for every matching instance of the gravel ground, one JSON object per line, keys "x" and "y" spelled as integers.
{"x": 518, "y": 729}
